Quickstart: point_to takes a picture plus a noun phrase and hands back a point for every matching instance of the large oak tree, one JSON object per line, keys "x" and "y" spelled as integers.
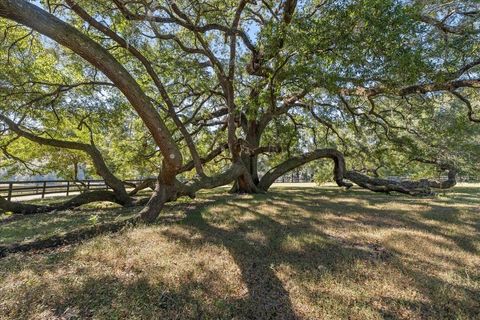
{"x": 243, "y": 92}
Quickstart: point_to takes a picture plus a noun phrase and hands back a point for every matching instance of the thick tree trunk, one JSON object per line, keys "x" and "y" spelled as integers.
{"x": 110, "y": 179}
{"x": 245, "y": 184}
{"x": 248, "y": 182}
{"x": 166, "y": 189}
{"x": 228, "y": 176}
{"x": 161, "y": 195}
{"x": 166, "y": 192}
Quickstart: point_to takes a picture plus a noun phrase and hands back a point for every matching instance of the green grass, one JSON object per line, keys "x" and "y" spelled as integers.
{"x": 309, "y": 253}
{"x": 40, "y": 226}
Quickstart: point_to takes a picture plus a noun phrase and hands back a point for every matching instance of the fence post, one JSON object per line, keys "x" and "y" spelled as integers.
{"x": 68, "y": 187}
{"x": 43, "y": 189}
{"x": 10, "y": 187}
{"x": 88, "y": 185}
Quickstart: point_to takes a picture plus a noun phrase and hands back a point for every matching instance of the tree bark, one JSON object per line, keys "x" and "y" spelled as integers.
{"x": 161, "y": 195}
{"x": 84, "y": 198}
{"x": 145, "y": 184}
{"x": 22, "y": 208}
{"x": 229, "y": 175}
{"x": 47, "y": 24}
{"x": 247, "y": 183}
{"x": 151, "y": 72}
{"x": 339, "y": 170}
{"x": 410, "y": 187}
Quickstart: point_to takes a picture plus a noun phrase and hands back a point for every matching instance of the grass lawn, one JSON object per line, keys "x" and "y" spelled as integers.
{"x": 295, "y": 253}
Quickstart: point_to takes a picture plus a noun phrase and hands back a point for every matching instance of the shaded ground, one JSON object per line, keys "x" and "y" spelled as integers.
{"x": 296, "y": 253}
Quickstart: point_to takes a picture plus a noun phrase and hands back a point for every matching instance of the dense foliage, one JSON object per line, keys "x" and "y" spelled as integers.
{"x": 212, "y": 92}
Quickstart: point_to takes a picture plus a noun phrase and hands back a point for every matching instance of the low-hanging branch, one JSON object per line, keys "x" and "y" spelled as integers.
{"x": 77, "y": 201}
{"x": 90, "y": 149}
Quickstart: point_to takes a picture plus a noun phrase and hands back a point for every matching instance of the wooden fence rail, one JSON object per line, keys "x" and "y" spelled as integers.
{"x": 12, "y": 189}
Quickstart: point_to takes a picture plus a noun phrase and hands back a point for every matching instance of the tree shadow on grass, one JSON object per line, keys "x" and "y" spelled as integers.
{"x": 257, "y": 259}
{"x": 389, "y": 217}
{"x": 108, "y": 297}
{"x": 435, "y": 220}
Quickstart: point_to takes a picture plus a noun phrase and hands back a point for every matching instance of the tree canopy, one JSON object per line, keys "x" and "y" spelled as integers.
{"x": 203, "y": 93}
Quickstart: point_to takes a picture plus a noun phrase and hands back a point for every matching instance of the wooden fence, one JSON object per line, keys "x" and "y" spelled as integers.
{"x": 12, "y": 189}
{"x": 296, "y": 177}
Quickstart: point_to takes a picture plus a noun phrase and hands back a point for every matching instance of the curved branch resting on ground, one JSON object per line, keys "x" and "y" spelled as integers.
{"x": 77, "y": 201}
{"x": 411, "y": 187}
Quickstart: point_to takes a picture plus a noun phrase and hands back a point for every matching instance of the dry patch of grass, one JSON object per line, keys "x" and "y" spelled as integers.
{"x": 296, "y": 253}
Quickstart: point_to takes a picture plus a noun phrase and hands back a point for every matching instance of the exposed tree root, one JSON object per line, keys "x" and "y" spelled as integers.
{"x": 161, "y": 195}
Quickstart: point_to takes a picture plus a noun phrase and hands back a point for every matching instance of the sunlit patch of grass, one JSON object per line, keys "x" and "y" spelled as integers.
{"x": 297, "y": 252}
{"x": 5, "y": 215}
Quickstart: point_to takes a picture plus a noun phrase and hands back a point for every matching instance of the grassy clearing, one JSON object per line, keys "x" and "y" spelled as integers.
{"x": 17, "y": 229}
{"x": 308, "y": 253}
